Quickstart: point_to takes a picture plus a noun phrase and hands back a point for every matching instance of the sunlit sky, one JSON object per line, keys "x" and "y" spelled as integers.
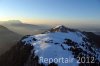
{"x": 42, "y": 11}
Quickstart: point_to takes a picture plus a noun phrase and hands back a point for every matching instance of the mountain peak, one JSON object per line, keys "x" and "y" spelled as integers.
{"x": 61, "y": 28}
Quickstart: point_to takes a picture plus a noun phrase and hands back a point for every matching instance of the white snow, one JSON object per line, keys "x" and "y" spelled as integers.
{"x": 51, "y": 50}
{"x": 45, "y": 48}
{"x": 58, "y": 26}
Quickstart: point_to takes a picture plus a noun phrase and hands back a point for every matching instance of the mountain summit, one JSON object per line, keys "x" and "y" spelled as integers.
{"x": 59, "y": 46}
{"x": 60, "y": 28}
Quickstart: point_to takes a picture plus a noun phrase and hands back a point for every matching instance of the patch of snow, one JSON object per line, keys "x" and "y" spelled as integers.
{"x": 58, "y": 26}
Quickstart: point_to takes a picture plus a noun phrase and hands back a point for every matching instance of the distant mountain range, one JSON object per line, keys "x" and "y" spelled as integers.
{"x": 23, "y": 28}
{"x": 58, "y": 42}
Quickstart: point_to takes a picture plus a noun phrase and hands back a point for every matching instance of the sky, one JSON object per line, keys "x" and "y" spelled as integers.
{"x": 51, "y": 11}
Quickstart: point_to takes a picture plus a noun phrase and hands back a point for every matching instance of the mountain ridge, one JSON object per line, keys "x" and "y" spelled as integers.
{"x": 7, "y": 38}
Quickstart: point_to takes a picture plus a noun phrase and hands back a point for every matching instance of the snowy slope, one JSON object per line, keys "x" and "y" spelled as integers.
{"x": 62, "y": 42}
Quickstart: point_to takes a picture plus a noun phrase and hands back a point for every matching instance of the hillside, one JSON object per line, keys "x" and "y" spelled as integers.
{"x": 7, "y": 39}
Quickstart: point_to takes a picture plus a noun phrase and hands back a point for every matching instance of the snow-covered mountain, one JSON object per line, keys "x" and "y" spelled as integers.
{"x": 59, "y": 46}
{"x": 62, "y": 42}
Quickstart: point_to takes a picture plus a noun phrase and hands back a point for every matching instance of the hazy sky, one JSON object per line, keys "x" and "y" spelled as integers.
{"x": 42, "y": 11}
